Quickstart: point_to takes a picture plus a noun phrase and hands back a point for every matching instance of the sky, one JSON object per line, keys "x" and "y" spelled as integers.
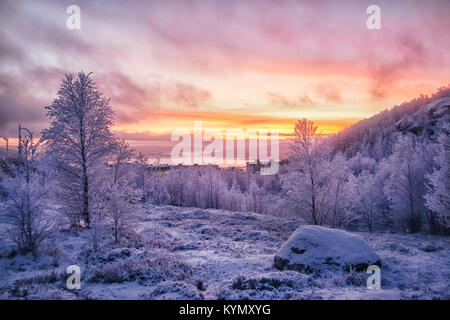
{"x": 230, "y": 64}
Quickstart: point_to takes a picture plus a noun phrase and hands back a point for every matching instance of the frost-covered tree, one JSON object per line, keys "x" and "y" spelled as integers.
{"x": 360, "y": 163}
{"x": 339, "y": 189}
{"x": 121, "y": 207}
{"x": 405, "y": 188}
{"x": 98, "y": 220}
{"x": 368, "y": 201}
{"x": 211, "y": 185}
{"x": 77, "y": 140}
{"x": 27, "y": 198}
{"x": 232, "y": 198}
{"x": 243, "y": 180}
{"x": 306, "y": 184}
{"x": 194, "y": 194}
{"x": 176, "y": 186}
{"x": 142, "y": 175}
{"x": 157, "y": 191}
{"x": 120, "y": 159}
{"x": 438, "y": 195}
{"x": 255, "y": 198}
{"x": 121, "y": 196}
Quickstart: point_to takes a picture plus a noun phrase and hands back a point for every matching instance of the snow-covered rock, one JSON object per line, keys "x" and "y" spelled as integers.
{"x": 429, "y": 119}
{"x": 312, "y": 248}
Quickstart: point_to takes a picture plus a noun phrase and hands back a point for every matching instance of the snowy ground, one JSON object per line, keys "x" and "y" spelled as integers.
{"x": 188, "y": 253}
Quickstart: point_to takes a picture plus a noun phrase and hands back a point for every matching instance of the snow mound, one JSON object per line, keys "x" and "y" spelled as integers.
{"x": 312, "y": 248}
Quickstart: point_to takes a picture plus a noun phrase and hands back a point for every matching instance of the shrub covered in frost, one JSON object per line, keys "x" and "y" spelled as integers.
{"x": 124, "y": 265}
{"x": 174, "y": 290}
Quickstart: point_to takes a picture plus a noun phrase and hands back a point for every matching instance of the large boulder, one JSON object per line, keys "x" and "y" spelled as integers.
{"x": 315, "y": 248}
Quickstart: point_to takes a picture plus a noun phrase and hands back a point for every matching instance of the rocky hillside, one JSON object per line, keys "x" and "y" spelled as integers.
{"x": 375, "y": 136}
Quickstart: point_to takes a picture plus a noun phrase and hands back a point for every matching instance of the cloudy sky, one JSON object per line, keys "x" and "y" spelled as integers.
{"x": 232, "y": 64}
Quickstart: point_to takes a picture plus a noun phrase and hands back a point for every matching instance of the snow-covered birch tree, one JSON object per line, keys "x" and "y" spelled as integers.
{"x": 77, "y": 141}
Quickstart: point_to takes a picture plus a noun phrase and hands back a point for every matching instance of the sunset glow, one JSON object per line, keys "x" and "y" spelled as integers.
{"x": 230, "y": 64}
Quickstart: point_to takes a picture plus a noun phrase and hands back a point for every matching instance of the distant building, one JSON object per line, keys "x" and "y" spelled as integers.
{"x": 255, "y": 167}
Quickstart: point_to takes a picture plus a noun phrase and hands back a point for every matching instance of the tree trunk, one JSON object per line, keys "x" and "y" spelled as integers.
{"x": 85, "y": 197}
